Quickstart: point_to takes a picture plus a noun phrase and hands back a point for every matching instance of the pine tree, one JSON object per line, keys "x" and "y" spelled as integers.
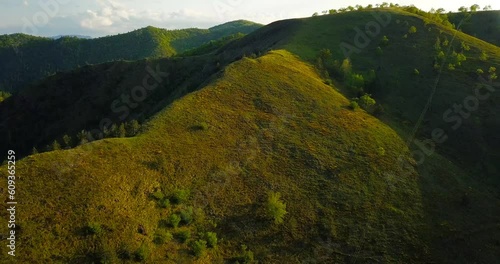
{"x": 67, "y": 141}
{"x": 82, "y": 137}
{"x": 121, "y": 131}
{"x": 34, "y": 151}
{"x": 437, "y": 45}
{"x": 113, "y": 131}
{"x": 56, "y": 145}
{"x": 133, "y": 128}
{"x": 346, "y": 68}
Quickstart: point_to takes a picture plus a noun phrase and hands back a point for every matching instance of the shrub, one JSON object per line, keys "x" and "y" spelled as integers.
{"x": 82, "y": 137}
{"x": 379, "y": 51}
{"x": 121, "y": 131}
{"x": 483, "y": 56}
{"x": 441, "y": 55}
{"x": 199, "y": 127}
{"x": 346, "y": 68}
{"x": 381, "y": 151}
{"x": 412, "y": 30}
{"x": 366, "y": 101}
{"x": 416, "y": 72}
{"x": 141, "y": 253}
{"x": 464, "y": 46}
{"x": 385, "y": 41}
{"x": 183, "y": 236}
{"x": 199, "y": 247}
{"x": 246, "y": 255}
{"x": 356, "y": 82}
{"x": 180, "y": 196}
{"x": 174, "y": 220}
{"x": 34, "y": 151}
{"x": 276, "y": 209}
{"x": 101, "y": 255}
{"x": 451, "y": 67}
{"x": 445, "y": 42}
{"x": 479, "y": 71}
{"x": 67, "y": 141}
{"x": 56, "y": 145}
{"x": 133, "y": 128}
{"x": 353, "y": 105}
{"x": 459, "y": 58}
{"x": 93, "y": 228}
{"x": 187, "y": 215}
{"x": 437, "y": 45}
{"x": 198, "y": 216}
{"x": 211, "y": 239}
{"x": 203, "y": 125}
{"x": 379, "y": 110}
{"x": 158, "y": 195}
{"x": 164, "y": 203}
{"x": 161, "y": 237}
{"x": 124, "y": 252}
{"x": 112, "y": 131}
{"x": 4, "y": 95}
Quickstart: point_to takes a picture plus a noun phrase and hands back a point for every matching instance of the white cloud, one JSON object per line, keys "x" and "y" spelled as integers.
{"x": 110, "y": 14}
{"x": 113, "y": 17}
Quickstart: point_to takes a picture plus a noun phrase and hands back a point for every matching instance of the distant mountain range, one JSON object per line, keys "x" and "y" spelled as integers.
{"x": 71, "y": 36}
{"x": 26, "y": 59}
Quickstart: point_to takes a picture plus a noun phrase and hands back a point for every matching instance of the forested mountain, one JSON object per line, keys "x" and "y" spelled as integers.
{"x": 26, "y": 59}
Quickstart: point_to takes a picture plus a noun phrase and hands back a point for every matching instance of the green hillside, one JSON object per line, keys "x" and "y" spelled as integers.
{"x": 404, "y": 79}
{"x": 403, "y": 83}
{"x": 272, "y": 111}
{"x": 248, "y": 133}
{"x": 66, "y": 104}
{"x": 26, "y": 59}
{"x": 401, "y": 73}
{"x": 483, "y": 25}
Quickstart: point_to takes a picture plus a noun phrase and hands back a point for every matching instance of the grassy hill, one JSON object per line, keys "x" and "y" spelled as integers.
{"x": 266, "y": 125}
{"x": 26, "y": 59}
{"x": 269, "y": 123}
{"x": 403, "y": 92}
{"x": 401, "y": 81}
{"x": 469, "y": 166}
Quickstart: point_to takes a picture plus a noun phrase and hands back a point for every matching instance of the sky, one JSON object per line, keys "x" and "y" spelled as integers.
{"x": 97, "y": 18}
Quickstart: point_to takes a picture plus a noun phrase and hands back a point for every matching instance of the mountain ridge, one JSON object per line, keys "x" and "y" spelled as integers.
{"x": 28, "y": 58}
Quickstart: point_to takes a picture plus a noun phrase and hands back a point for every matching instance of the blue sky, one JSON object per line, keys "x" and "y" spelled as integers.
{"x": 105, "y": 17}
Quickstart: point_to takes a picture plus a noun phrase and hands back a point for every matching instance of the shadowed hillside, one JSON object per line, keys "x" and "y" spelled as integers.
{"x": 483, "y": 25}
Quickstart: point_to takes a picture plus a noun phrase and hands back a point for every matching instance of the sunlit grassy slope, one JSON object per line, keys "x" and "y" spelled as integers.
{"x": 267, "y": 124}
{"x": 401, "y": 91}
{"x": 460, "y": 180}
